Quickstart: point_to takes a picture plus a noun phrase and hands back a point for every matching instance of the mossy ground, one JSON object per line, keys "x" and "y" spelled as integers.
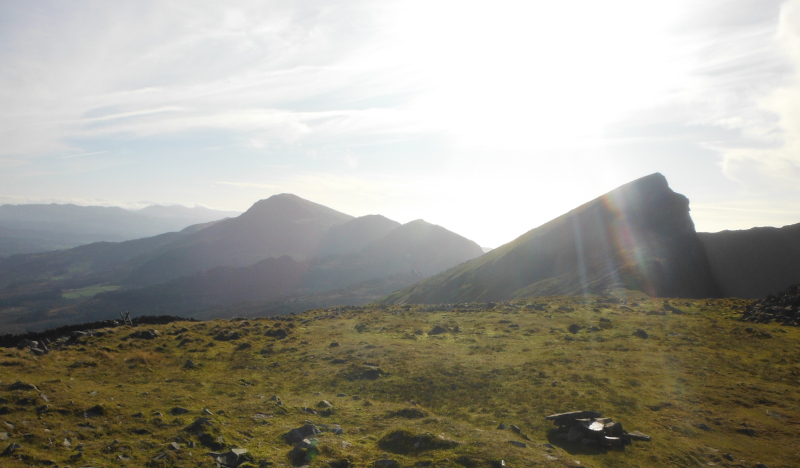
{"x": 703, "y": 385}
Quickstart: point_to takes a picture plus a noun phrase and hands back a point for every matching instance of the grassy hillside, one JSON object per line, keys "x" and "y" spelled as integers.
{"x": 706, "y": 387}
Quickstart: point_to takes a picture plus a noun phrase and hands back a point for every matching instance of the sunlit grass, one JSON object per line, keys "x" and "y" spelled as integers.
{"x": 508, "y": 364}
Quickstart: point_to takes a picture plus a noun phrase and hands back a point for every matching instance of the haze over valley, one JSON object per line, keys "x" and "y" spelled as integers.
{"x": 396, "y": 234}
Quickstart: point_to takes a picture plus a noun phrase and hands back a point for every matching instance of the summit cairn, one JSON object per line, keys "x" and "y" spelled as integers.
{"x": 589, "y": 428}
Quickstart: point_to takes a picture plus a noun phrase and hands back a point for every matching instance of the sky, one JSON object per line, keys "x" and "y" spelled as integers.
{"x": 487, "y": 118}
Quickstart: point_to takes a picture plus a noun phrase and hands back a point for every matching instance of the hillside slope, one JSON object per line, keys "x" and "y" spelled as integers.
{"x": 464, "y": 386}
{"x": 755, "y": 262}
{"x": 639, "y": 236}
{"x": 280, "y": 225}
{"x": 410, "y": 252}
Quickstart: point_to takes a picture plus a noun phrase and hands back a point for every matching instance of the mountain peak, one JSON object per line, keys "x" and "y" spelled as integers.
{"x": 638, "y": 236}
{"x": 290, "y": 206}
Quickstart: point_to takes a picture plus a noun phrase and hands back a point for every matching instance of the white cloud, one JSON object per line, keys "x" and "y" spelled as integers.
{"x": 771, "y": 160}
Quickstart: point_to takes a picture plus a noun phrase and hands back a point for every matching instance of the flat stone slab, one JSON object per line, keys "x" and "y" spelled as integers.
{"x": 563, "y": 418}
{"x": 636, "y": 435}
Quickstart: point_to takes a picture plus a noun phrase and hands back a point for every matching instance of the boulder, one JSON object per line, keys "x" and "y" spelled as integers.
{"x": 144, "y": 334}
{"x": 298, "y": 434}
{"x": 94, "y": 411}
{"x": 10, "y": 450}
{"x": 19, "y": 385}
{"x": 304, "y": 451}
{"x": 229, "y": 459}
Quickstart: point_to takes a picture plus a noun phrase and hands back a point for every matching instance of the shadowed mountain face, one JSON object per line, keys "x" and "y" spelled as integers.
{"x": 280, "y": 225}
{"x": 284, "y": 250}
{"x": 639, "y": 236}
{"x": 756, "y": 262}
{"x": 408, "y": 253}
{"x": 356, "y": 234}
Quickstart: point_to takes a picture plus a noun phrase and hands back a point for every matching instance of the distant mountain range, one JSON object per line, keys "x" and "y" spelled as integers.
{"x": 281, "y": 250}
{"x": 40, "y": 228}
{"x": 639, "y": 236}
{"x": 287, "y": 254}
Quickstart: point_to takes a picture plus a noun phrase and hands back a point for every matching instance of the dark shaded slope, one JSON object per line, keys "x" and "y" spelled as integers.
{"x": 280, "y": 225}
{"x": 356, "y": 234}
{"x": 405, "y": 255}
{"x": 417, "y": 246}
{"x": 267, "y": 279}
{"x": 80, "y": 264}
{"x": 756, "y": 262}
{"x": 639, "y": 236}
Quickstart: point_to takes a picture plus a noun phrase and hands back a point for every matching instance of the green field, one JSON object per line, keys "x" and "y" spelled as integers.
{"x": 710, "y": 390}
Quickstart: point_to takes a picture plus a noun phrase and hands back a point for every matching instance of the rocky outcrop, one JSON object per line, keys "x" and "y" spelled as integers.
{"x": 589, "y": 428}
{"x": 783, "y": 308}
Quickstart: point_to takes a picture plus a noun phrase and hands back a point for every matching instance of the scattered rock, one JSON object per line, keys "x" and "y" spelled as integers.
{"x": 325, "y": 404}
{"x": 362, "y": 372}
{"x": 343, "y": 463}
{"x": 783, "y": 308}
{"x": 178, "y": 411}
{"x": 144, "y": 335}
{"x": 747, "y": 431}
{"x": 636, "y": 435}
{"x": 335, "y": 344}
{"x": 502, "y": 427}
{"x": 386, "y": 463}
{"x": 189, "y": 364}
{"x": 438, "y": 330}
{"x": 590, "y": 428}
{"x": 304, "y": 451}
{"x": 231, "y": 458}
{"x": 404, "y": 441}
{"x": 408, "y": 413}
{"x": 277, "y": 333}
{"x": 94, "y": 411}
{"x": 296, "y": 435}
{"x": 517, "y": 443}
{"x": 641, "y": 334}
{"x": 10, "y": 450}
{"x": 19, "y": 385}
{"x": 673, "y": 309}
{"x": 227, "y": 335}
{"x": 574, "y": 328}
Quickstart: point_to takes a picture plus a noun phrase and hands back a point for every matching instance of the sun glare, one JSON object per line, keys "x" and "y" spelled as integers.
{"x": 525, "y": 74}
